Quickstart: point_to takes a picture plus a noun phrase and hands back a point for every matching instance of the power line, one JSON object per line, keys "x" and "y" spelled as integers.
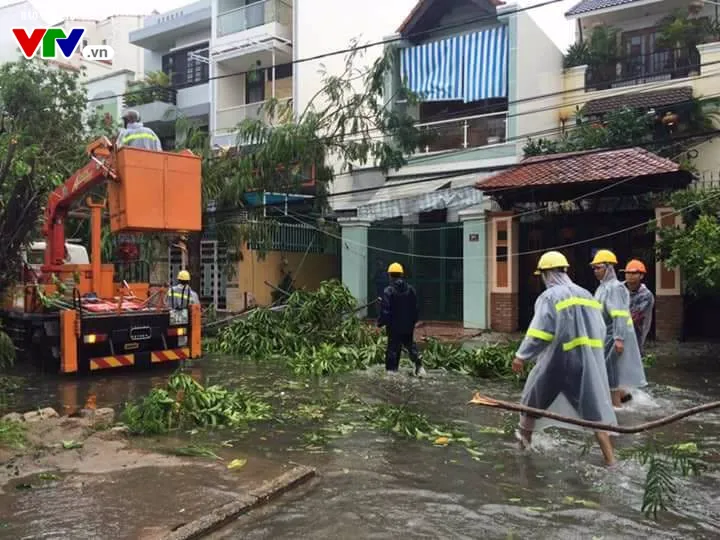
{"x": 454, "y": 174}
{"x": 532, "y": 252}
{"x": 387, "y": 41}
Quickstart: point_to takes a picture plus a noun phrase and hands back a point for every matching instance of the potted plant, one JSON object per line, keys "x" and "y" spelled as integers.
{"x": 603, "y": 53}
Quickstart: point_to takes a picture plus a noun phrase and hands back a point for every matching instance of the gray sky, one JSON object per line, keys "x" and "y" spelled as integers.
{"x": 54, "y": 10}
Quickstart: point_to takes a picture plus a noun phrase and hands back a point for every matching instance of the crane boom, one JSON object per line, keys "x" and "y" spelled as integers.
{"x": 100, "y": 168}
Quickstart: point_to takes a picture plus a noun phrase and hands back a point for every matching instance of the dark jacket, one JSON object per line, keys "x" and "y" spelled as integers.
{"x": 399, "y": 308}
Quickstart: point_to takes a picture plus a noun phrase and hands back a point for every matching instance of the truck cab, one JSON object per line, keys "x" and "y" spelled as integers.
{"x": 34, "y": 257}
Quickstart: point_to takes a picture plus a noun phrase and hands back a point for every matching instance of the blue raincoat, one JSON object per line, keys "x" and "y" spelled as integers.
{"x": 566, "y": 336}
{"x": 624, "y": 370}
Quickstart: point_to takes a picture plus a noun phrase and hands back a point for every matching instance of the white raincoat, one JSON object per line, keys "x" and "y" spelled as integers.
{"x": 642, "y": 303}
{"x": 624, "y": 370}
{"x": 566, "y": 335}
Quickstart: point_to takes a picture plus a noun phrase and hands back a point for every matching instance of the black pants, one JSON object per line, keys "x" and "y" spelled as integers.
{"x": 395, "y": 345}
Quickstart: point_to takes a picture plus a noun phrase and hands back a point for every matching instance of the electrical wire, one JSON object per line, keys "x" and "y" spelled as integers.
{"x": 517, "y": 254}
{"x": 518, "y": 215}
{"x": 452, "y": 175}
{"x": 357, "y": 47}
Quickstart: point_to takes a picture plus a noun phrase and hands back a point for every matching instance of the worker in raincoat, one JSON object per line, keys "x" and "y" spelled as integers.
{"x": 622, "y": 353}
{"x": 181, "y": 295}
{"x": 399, "y": 314}
{"x": 135, "y": 135}
{"x": 566, "y": 338}
{"x": 642, "y": 301}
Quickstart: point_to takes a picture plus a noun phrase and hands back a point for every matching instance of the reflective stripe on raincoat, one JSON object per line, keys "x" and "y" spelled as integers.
{"x": 624, "y": 370}
{"x": 138, "y": 136}
{"x": 181, "y": 296}
{"x": 566, "y": 335}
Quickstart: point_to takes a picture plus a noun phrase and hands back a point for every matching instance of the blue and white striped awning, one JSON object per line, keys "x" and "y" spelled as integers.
{"x": 469, "y": 67}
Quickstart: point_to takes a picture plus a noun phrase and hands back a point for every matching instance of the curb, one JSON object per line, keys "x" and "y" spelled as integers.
{"x": 244, "y": 503}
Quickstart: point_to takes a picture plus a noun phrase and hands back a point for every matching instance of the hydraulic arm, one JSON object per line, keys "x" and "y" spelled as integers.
{"x": 100, "y": 169}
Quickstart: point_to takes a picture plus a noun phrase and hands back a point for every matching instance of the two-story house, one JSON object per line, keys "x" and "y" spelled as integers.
{"x": 660, "y": 57}
{"x": 175, "y": 43}
{"x": 487, "y": 77}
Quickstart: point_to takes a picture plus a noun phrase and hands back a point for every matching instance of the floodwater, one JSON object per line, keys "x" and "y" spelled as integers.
{"x": 374, "y": 485}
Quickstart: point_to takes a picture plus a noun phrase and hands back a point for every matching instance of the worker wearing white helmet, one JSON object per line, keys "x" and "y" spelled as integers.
{"x": 135, "y": 135}
{"x": 181, "y": 295}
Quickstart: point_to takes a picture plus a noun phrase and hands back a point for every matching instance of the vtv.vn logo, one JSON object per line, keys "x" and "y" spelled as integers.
{"x": 49, "y": 41}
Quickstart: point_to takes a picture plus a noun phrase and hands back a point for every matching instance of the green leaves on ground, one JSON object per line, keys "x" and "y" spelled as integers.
{"x": 184, "y": 402}
{"x": 12, "y": 434}
{"x": 318, "y": 334}
{"x": 664, "y": 463}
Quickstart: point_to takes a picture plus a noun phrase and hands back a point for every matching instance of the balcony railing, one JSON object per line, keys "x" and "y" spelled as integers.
{"x": 228, "y": 118}
{"x": 641, "y": 69}
{"x": 467, "y": 132}
{"x": 150, "y": 94}
{"x": 253, "y": 15}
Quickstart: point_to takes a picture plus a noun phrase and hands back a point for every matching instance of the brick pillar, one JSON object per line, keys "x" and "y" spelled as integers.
{"x": 668, "y": 292}
{"x": 503, "y": 261}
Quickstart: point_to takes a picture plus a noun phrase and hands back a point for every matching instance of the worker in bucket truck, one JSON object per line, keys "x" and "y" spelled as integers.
{"x": 136, "y": 135}
{"x": 565, "y": 337}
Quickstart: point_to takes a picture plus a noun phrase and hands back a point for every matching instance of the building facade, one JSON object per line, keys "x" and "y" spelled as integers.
{"x": 176, "y": 44}
{"x": 478, "y": 67}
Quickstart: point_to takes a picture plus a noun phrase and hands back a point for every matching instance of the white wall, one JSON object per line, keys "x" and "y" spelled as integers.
{"x": 18, "y": 15}
{"x": 193, "y": 39}
{"x": 322, "y": 26}
{"x": 539, "y": 73}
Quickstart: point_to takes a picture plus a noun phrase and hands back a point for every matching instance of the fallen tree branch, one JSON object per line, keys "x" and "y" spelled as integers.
{"x": 517, "y": 407}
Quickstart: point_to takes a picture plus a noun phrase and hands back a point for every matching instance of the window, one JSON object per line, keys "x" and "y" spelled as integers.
{"x": 282, "y": 71}
{"x": 184, "y": 68}
{"x": 255, "y": 86}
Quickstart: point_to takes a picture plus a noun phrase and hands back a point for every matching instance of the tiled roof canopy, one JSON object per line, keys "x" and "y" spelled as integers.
{"x": 636, "y": 100}
{"x": 579, "y": 168}
{"x": 586, "y": 6}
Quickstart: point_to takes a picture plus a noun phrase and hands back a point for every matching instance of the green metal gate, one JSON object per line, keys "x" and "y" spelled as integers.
{"x": 432, "y": 257}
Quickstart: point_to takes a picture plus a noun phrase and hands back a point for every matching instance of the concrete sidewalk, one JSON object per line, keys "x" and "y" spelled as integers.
{"x": 98, "y": 487}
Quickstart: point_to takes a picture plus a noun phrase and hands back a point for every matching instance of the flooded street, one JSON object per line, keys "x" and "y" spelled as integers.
{"x": 377, "y": 485}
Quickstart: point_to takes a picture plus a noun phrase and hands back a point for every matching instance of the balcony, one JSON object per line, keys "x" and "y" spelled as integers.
{"x": 242, "y": 18}
{"x": 642, "y": 69}
{"x": 154, "y": 103}
{"x": 227, "y": 119}
{"x": 161, "y": 31}
{"x": 467, "y": 132}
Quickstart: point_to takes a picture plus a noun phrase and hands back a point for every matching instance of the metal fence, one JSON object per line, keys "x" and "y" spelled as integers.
{"x": 295, "y": 237}
{"x": 423, "y": 250}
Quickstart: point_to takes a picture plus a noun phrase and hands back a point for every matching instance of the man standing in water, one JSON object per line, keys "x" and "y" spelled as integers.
{"x": 622, "y": 353}
{"x": 566, "y": 335}
{"x": 399, "y": 313}
{"x": 642, "y": 301}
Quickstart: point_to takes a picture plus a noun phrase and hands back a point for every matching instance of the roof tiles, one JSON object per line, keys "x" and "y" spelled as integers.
{"x": 579, "y": 167}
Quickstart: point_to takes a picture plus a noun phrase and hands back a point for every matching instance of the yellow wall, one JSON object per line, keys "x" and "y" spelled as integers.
{"x": 253, "y": 272}
{"x": 704, "y": 84}
{"x": 283, "y": 88}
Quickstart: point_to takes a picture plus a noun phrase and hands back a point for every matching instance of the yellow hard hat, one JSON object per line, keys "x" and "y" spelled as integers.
{"x": 183, "y": 275}
{"x": 395, "y": 268}
{"x": 552, "y": 260}
{"x": 604, "y": 256}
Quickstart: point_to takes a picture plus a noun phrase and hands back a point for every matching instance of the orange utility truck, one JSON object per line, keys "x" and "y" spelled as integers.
{"x": 73, "y": 317}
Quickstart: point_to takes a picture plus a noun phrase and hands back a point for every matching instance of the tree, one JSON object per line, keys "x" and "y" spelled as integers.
{"x": 694, "y": 248}
{"x": 341, "y": 124}
{"x": 42, "y": 142}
